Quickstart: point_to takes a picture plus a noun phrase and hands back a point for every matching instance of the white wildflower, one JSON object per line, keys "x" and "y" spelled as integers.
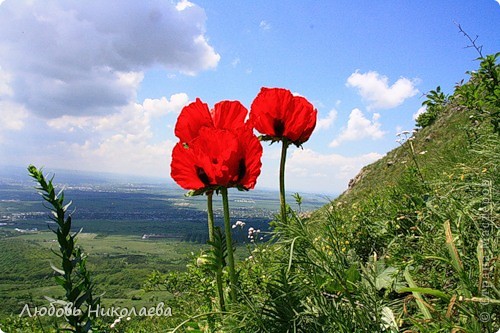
{"x": 240, "y": 224}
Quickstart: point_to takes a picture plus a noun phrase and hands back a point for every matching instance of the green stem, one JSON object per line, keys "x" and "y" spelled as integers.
{"x": 229, "y": 244}
{"x": 211, "y": 238}
{"x": 413, "y": 156}
{"x": 220, "y": 290}
{"x": 210, "y": 213}
{"x": 284, "y": 148}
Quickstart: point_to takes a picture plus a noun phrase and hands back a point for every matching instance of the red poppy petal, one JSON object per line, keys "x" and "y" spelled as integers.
{"x": 300, "y": 120}
{"x": 309, "y": 128}
{"x": 216, "y": 151}
{"x": 192, "y": 117}
{"x": 183, "y": 168}
{"x": 268, "y": 110}
{"x": 251, "y": 154}
{"x": 229, "y": 115}
{"x": 263, "y": 123}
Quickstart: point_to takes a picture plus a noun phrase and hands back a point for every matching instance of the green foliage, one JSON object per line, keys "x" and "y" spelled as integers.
{"x": 481, "y": 94}
{"x": 435, "y": 103}
{"x": 437, "y": 235}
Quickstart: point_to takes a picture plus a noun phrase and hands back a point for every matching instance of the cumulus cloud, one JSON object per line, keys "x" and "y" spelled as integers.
{"x": 359, "y": 127}
{"x": 124, "y": 154}
{"x": 325, "y": 123}
{"x": 183, "y": 4}
{"x": 13, "y": 117}
{"x": 330, "y": 173}
{"x": 375, "y": 89}
{"x": 132, "y": 121}
{"x": 311, "y": 171}
{"x": 125, "y": 141}
{"x": 87, "y": 58}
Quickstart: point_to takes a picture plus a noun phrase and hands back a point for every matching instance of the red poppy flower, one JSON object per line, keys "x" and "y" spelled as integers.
{"x": 278, "y": 114}
{"x": 217, "y": 157}
{"x": 224, "y": 115}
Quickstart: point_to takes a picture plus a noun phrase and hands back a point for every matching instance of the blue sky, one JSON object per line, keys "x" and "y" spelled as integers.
{"x": 98, "y": 85}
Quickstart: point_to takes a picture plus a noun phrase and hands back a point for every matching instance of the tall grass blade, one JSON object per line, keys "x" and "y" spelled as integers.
{"x": 452, "y": 250}
{"x": 418, "y": 296}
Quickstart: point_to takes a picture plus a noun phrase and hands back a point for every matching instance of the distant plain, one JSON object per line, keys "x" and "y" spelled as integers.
{"x": 130, "y": 227}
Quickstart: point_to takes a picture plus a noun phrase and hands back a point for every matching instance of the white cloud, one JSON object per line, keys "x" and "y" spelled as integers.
{"x": 124, "y": 154}
{"x": 13, "y": 116}
{"x": 264, "y": 25}
{"x": 358, "y": 128}
{"x": 311, "y": 171}
{"x": 162, "y": 106}
{"x": 124, "y": 142}
{"x": 330, "y": 173}
{"x": 421, "y": 110}
{"x": 87, "y": 58}
{"x": 325, "y": 123}
{"x": 134, "y": 119}
{"x": 375, "y": 89}
{"x": 183, "y": 4}
{"x": 498, "y": 1}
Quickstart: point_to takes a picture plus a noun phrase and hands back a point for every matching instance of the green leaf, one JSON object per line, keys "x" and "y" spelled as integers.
{"x": 55, "y": 301}
{"x": 386, "y": 279}
{"x": 60, "y": 281}
{"x": 389, "y": 320}
{"x": 452, "y": 250}
{"x": 352, "y": 274}
{"x": 82, "y": 299}
{"x": 73, "y": 295}
{"x": 57, "y": 270}
{"x": 416, "y": 294}
{"x": 426, "y": 291}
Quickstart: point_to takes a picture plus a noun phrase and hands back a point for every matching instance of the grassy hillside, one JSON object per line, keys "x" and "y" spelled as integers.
{"x": 412, "y": 246}
{"x": 438, "y": 149}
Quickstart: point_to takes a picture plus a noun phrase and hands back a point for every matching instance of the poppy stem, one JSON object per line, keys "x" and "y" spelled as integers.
{"x": 282, "y": 180}
{"x": 229, "y": 244}
{"x": 211, "y": 238}
{"x": 210, "y": 213}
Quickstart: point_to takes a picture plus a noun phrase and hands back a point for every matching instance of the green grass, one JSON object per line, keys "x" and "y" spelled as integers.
{"x": 120, "y": 265}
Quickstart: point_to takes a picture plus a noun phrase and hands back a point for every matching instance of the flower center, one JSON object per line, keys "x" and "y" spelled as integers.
{"x": 242, "y": 169}
{"x": 202, "y": 175}
{"x": 279, "y": 127}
